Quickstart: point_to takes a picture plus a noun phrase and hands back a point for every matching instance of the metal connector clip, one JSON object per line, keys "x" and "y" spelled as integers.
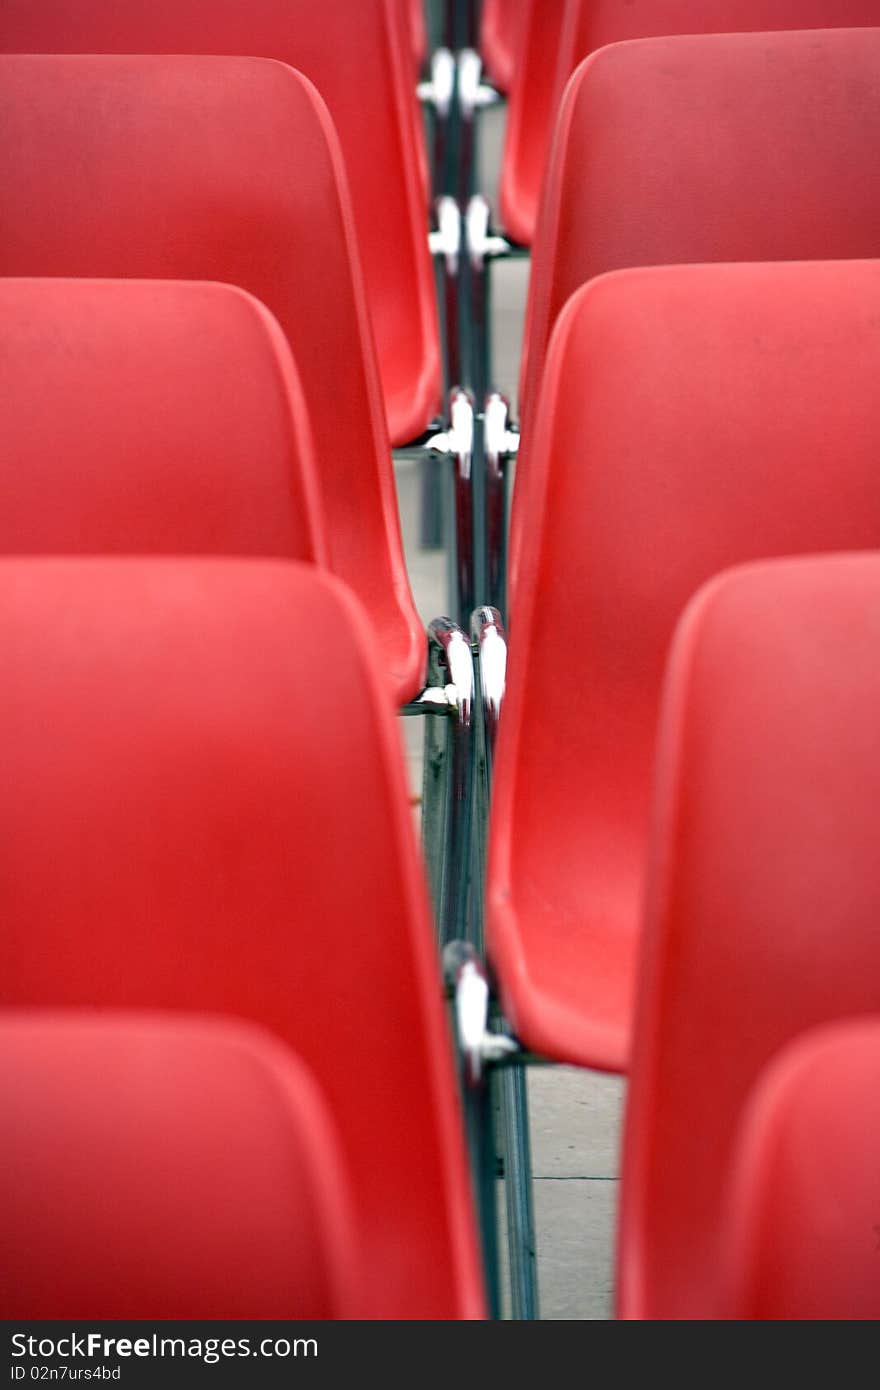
{"x": 482, "y": 245}
{"x": 458, "y": 439}
{"x": 479, "y": 1047}
{"x": 500, "y": 439}
{"x": 438, "y": 90}
{"x": 473, "y": 92}
{"x": 459, "y": 661}
{"x": 445, "y": 239}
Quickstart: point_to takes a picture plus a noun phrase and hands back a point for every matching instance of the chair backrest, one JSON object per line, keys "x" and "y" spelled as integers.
{"x": 166, "y": 1167}
{"x": 691, "y": 418}
{"x": 763, "y": 897}
{"x": 802, "y": 1229}
{"x": 591, "y": 24}
{"x": 358, "y": 53}
{"x": 500, "y": 27}
{"x": 418, "y": 29}
{"x": 582, "y": 26}
{"x": 205, "y": 809}
{"x": 719, "y": 147}
{"x": 150, "y": 417}
{"x": 183, "y": 168}
{"x": 530, "y": 113}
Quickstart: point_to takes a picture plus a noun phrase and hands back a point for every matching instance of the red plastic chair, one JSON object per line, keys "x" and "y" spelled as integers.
{"x": 530, "y": 113}
{"x": 691, "y": 418}
{"x": 762, "y": 905}
{"x": 567, "y": 31}
{"x": 200, "y": 752}
{"x": 181, "y": 168}
{"x": 500, "y": 23}
{"x": 166, "y": 1167}
{"x": 151, "y": 417}
{"x": 802, "y": 1228}
{"x": 415, "y": 13}
{"x": 358, "y": 53}
{"x": 730, "y": 147}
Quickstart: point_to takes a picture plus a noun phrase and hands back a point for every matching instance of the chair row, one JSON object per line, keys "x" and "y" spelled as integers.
{"x": 227, "y": 169}
{"x": 674, "y": 422}
{"x": 184, "y": 455}
{"x": 204, "y": 811}
{"x": 361, "y": 58}
{"x": 227, "y": 1085}
{"x": 176, "y": 195}
{"x": 690, "y": 418}
{"x": 784, "y": 169}
{"x": 740, "y": 476}
{"x": 152, "y": 459}
{"x": 165, "y": 415}
{"x": 220, "y": 169}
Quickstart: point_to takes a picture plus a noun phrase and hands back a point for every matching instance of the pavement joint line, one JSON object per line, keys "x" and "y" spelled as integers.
{"x": 571, "y": 1177}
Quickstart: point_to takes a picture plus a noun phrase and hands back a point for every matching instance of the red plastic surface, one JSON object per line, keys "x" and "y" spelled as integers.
{"x": 691, "y": 418}
{"x": 530, "y": 113}
{"x": 732, "y": 147}
{"x": 802, "y": 1234}
{"x": 181, "y": 168}
{"x": 358, "y": 53}
{"x": 415, "y": 13}
{"x": 205, "y": 809}
{"x": 151, "y": 417}
{"x": 500, "y": 23}
{"x": 567, "y": 31}
{"x": 763, "y": 896}
{"x": 162, "y": 1167}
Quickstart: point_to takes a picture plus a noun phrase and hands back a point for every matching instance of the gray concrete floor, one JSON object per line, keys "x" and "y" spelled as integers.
{"x": 575, "y": 1116}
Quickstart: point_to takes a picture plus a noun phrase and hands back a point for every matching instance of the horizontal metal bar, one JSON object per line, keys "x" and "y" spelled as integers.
{"x": 417, "y": 448}
{"x": 417, "y": 707}
{"x": 525, "y": 1059}
{"x": 515, "y": 250}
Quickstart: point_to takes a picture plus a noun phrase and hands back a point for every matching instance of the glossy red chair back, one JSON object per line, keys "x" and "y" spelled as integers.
{"x": 358, "y": 54}
{"x": 205, "y": 809}
{"x": 167, "y": 1167}
{"x": 415, "y": 13}
{"x": 805, "y": 1183}
{"x": 580, "y": 27}
{"x": 762, "y": 903}
{"x": 530, "y": 114}
{"x": 500, "y": 23}
{"x": 718, "y": 147}
{"x": 691, "y": 418}
{"x": 150, "y": 417}
{"x": 182, "y": 168}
